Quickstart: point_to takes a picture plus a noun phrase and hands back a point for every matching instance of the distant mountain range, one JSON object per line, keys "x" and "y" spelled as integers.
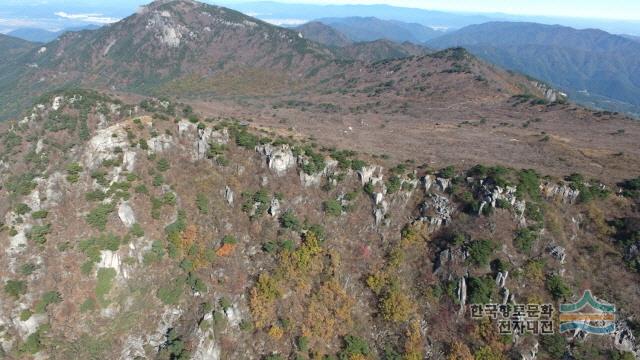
{"x": 371, "y": 28}
{"x": 375, "y": 48}
{"x": 593, "y": 66}
{"x": 44, "y": 36}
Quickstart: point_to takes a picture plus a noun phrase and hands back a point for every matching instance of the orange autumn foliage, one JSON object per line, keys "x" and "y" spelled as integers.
{"x": 226, "y": 250}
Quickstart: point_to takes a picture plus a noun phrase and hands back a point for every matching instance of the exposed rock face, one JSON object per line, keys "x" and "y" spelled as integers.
{"x": 550, "y": 94}
{"x": 206, "y": 345}
{"x": 381, "y": 207}
{"x": 111, "y": 259}
{"x": 490, "y": 194}
{"x": 202, "y": 138}
{"x": 169, "y": 317}
{"x": 309, "y": 180}
{"x": 462, "y": 294}
{"x": 428, "y": 181}
{"x": 126, "y": 214}
{"x": 501, "y": 279}
{"x": 29, "y": 326}
{"x": 532, "y": 353}
{"x": 274, "y": 208}
{"x": 624, "y": 340}
{"x": 279, "y": 158}
{"x": 436, "y": 211}
{"x": 228, "y": 195}
{"x": 133, "y": 348}
{"x": 558, "y": 252}
{"x": 102, "y": 146}
{"x": 443, "y": 184}
{"x": 448, "y": 259}
{"x": 57, "y": 103}
{"x": 559, "y": 191}
{"x": 160, "y": 144}
{"x": 371, "y": 174}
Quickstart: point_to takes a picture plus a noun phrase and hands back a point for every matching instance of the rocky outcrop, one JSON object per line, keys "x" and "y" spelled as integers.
{"x": 168, "y": 318}
{"x": 501, "y": 279}
{"x": 491, "y": 194}
{"x": 561, "y": 192}
{"x": 448, "y": 259}
{"x": 550, "y": 94}
{"x": 532, "y": 353}
{"x": 228, "y": 195}
{"x": 381, "y": 207}
{"x": 558, "y": 252}
{"x": 103, "y": 145}
{"x": 111, "y": 259}
{"x": 443, "y": 184}
{"x": 462, "y": 294}
{"x": 624, "y": 340}
{"x": 206, "y": 346}
{"x": 309, "y": 180}
{"x": 160, "y": 144}
{"x": 126, "y": 214}
{"x": 278, "y": 158}
{"x": 371, "y": 174}
{"x": 201, "y": 137}
{"x": 274, "y": 207}
{"x": 428, "y": 181}
{"x": 436, "y": 211}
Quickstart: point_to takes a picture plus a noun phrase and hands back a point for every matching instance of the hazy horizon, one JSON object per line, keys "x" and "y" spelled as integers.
{"x": 616, "y": 16}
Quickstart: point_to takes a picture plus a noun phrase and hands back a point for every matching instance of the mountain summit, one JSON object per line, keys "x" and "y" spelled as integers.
{"x": 173, "y": 44}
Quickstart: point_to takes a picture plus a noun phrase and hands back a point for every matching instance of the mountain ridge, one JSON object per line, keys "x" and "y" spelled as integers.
{"x": 573, "y": 60}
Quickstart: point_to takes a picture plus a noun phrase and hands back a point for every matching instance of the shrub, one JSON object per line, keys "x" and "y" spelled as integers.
{"x": 631, "y": 187}
{"x": 528, "y": 184}
{"x": 332, "y": 207}
{"x": 245, "y": 139}
{"x": 480, "y": 289}
{"x": 48, "y": 298}
{"x": 155, "y": 254}
{"x": 136, "y": 230}
{"x": 100, "y": 177}
{"x": 28, "y": 269}
{"x": 229, "y": 239}
{"x": 73, "y": 172}
{"x": 354, "y": 347}
{"x": 163, "y": 165}
{"x": 525, "y": 238}
{"x": 480, "y": 251}
{"x": 553, "y": 345}
{"x": 288, "y": 220}
{"x": 396, "y": 305}
{"x": 93, "y": 246}
{"x": 15, "y": 288}
{"x": 170, "y": 293}
{"x": 557, "y": 287}
{"x": 448, "y": 173}
{"x": 158, "y": 180}
{"x": 22, "y": 209}
{"x": 202, "y": 203}
{"x": 104, "y": 283}
{"x": 38, "y": 233}
{"x": 25, "y": 315}
{"x": 302, "y": 342}
{"x": 368, "y": 188}
{"x": 98, "y": 216}
{"x": 393, "y": 185}
{"x": 141, "y": 189}
{"x": 33, "y": 343}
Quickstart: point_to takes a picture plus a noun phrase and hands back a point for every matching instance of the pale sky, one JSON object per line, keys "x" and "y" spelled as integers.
{"x": 599, "y": 9}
